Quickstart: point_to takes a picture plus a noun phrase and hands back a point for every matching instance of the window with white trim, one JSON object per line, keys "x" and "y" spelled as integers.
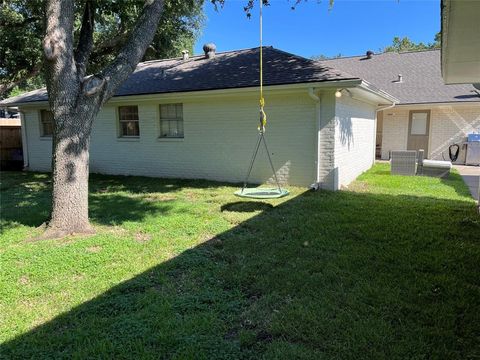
{"x": 129, "y": 123}
{"x": 46, "y": 123}
{"x": 171, "y": 121}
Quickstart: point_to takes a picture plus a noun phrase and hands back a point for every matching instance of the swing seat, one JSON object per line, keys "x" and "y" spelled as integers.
{"x": 262, "y": 193}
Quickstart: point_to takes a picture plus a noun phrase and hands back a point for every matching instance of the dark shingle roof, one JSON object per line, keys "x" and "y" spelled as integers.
{"x": 422, "y": 80}
{"x": 232, "y": 69}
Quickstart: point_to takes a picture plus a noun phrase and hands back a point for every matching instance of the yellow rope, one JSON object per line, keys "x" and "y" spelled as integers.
{"x": 263, "y": 116}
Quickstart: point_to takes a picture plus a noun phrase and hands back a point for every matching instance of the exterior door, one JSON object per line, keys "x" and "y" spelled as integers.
{"x": 418, "y": 130}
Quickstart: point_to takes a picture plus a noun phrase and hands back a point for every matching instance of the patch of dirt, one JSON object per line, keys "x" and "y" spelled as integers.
{"x": 94, "y": 249}
{"x": 205, "y": 237}
{"x": 159, "y": 197}
{"x": 142, "y": 237}
{"x": 78, "y": 277}
{"x": 24, "y": 280}
{"x": 117, "y": 230}
{"x": 358, "y": 186}
{"x": 191, "y": 196}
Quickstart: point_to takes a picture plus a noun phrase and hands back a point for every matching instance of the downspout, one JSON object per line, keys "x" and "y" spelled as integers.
{"x": 376, "y": 124}
{"x": 23, "y": 128}
{"x": 316, "y": 98}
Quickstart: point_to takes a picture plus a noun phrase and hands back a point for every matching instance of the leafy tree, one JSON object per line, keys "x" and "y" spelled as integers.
{"x": 76, "y": 37}
{"x": 105, "y": 37}
{"x": 405, "y": 44}
{"x": 325, "y": 57}
{"x": 22, "y": 28}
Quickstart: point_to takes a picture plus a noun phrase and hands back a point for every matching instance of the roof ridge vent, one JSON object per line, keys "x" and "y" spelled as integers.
{"x": 209, "y": 50}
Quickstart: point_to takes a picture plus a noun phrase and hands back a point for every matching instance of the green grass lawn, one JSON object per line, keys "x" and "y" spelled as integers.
{"x": 389, "y": 269}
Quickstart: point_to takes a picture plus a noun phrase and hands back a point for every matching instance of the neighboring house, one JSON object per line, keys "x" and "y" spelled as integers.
{"x": 197, "y": 118}
{"x": 429, "y": 115}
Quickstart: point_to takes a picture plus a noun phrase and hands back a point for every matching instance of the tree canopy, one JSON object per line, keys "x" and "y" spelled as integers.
{"x": 398, "y": 45}
{"x": 405, "y": 44}
{"x": 22, "y": 29}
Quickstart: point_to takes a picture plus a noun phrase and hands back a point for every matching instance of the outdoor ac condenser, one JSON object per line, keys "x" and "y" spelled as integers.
{"x": 473, "y": 150}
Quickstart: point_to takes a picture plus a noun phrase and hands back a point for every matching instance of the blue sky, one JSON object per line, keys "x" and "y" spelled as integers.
{"x": 350, "y": 28}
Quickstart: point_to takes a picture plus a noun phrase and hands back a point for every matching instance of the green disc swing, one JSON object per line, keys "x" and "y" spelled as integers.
{"x": 261, "y": 192}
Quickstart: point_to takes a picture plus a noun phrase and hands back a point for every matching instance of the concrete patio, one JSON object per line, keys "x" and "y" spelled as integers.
{"x": 471, "y": 176}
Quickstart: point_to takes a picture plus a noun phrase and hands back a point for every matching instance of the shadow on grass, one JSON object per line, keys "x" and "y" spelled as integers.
{"x": 455, "y": 181}
{"x": 246, "y": 206}
{"x": 27, "y": 196}
{"x": 324, "y": 275}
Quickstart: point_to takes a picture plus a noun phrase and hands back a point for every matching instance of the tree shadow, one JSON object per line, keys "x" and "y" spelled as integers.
{"x": 27, "y": 196}
{"x": 342, "y": 274}
{"x": 246, "y": 206}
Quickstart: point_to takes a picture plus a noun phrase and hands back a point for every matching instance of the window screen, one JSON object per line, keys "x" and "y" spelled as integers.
{"x": 46, "y": 123}
{"x": 171, "y": 121}
{"x": 129, "y": 124}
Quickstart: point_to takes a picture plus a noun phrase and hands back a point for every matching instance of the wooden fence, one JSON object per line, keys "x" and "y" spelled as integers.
{"x": 11, "y": 156}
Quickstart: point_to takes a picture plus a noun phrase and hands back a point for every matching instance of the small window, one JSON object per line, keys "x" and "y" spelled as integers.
{"x": 129, "y": 124}
{"x": 46, "y": 123}
{"x": 419, "y": 123}
{"x": 171, "y": 121}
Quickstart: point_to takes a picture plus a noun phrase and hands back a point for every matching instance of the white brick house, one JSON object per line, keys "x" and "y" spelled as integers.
{"x": 198, "y": 118}
{"x": 443, "y": 114}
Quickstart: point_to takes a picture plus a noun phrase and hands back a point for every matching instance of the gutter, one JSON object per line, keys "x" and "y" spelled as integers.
{"x": 24, "y": 140}
{"x": 247, "y": 90}
{"x": 316, "y": 99}
{"x": 365, "y": 85}
{"x": 386, "y": 107}
{"x": 380, "y": 108}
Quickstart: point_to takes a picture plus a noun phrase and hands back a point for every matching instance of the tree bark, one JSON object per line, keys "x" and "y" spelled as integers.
{"x": 70, "y": 162}
{"x": 75, "y": 101}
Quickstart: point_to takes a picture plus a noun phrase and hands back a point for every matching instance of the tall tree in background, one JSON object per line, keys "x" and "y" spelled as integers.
{"x": 405, "y": 44}
{"x": 22, "y": 28}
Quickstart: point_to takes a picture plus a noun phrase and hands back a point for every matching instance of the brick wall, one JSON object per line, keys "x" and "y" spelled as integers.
{"x": 451, "y": 125}
{"x": 220, "y": 134}
{"x": 394, "y": 131}
{"x": 448, "y": 124}
{"x": 354, "y": 139}
{"x": 326, "y": 170}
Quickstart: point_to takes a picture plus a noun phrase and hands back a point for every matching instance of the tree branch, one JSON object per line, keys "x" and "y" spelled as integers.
{"x": 112, "y": 42}
{"x": 85, "y": 40}
{"x": 133, "y": 50}
{"x": 5, "y": 88}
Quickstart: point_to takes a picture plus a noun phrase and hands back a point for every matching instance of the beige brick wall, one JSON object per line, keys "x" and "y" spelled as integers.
{"x": 451, "y": 125}
{"x": 354, "y": 139}
{"x": 220, "y": 134}
{"x": 395, "y": 131}
{"x": 326, "y": 165}
{"x": 448, "y": 124}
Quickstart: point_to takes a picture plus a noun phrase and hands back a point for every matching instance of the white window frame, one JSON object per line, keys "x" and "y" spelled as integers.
{"x": 42, "y": 124}
{"x": 121, "y": 121}
{"x": 178, "y": 117}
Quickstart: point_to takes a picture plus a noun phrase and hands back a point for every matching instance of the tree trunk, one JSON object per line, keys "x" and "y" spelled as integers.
{"x": 70, "y": 170}
{"x": 75, "y": 101}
